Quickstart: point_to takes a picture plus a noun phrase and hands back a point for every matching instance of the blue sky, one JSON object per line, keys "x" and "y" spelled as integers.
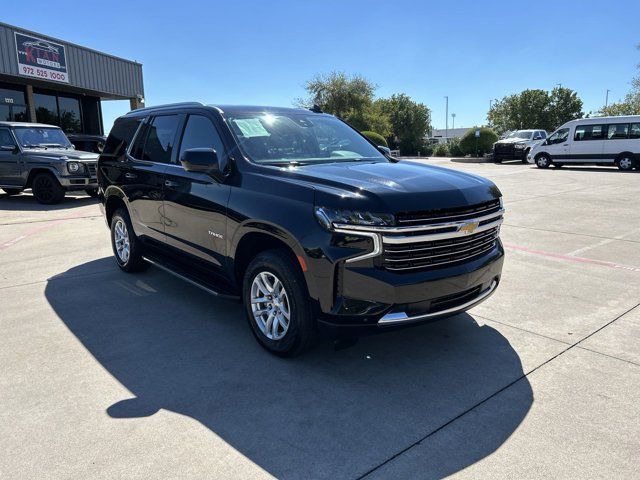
{"x": 257, "y": 52}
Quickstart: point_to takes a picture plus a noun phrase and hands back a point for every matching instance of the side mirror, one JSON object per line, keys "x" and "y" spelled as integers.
{"x": 384, "y": 150}
{"x": 8, "y": 148}
{"x": 203, "y": 160}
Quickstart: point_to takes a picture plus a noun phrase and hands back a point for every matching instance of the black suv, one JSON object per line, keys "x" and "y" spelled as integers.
{"x": 313, "y": 226}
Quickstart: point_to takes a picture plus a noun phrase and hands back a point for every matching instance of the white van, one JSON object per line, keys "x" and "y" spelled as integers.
{"x": 594, "y": 141}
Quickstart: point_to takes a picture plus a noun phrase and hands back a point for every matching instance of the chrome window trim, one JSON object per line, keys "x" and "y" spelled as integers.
{"x": 418, "y": 228}
{"x": 402, "y": 317}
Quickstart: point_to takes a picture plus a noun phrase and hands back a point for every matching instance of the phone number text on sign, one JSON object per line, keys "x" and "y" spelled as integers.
{"x": 43, "y": 73}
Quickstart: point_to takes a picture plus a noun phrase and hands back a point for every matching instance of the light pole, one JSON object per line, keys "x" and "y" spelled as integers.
{"x": 453, "y": 120}
{"x": 446, "y": 116}
{"x": 606, "y": 101}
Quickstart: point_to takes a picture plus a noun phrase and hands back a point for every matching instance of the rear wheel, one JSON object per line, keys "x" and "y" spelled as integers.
{"x": 543, "y": 161}
{"x": 47, "y": 189}
{"x": 626, "y": 162}
{"x": 12, "y": 191}
{"x": 277, "y": 304}
{"x": 126, "y": 246}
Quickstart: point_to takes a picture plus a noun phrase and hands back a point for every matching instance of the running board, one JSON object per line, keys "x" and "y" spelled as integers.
{"x": 182, "y": 274}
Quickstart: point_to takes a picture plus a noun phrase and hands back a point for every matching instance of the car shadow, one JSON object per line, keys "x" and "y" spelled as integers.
{"x": 26, "y": 202}
{"x": 327, "y": 414}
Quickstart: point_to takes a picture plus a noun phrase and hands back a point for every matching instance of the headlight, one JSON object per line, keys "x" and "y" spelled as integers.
{"x": 520, "y": 145}
{"x": 73, "y": 167}
{"x": 328, "y": 217}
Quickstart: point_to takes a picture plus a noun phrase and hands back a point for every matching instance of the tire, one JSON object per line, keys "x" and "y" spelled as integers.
{"x": 626, "y": 162}
{"x": 524, "y": 158}
{"x": 543, "y": 160}
{"x": 92, "y": 192}
{"x": 12, "y": 191}
{"x": 126, "y": 247}
{"x": 497, "y": 160}
{"x": 276, "y": 268}
{"x": 46, "y": 189}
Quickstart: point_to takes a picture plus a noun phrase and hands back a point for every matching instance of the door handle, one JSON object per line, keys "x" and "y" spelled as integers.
{"x": 169, "y": 183}
{"x": 565, "y": 145}
{"x": 130, "y": 175}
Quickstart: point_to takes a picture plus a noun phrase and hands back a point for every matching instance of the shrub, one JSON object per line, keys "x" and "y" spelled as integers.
{"x": 470, "y": 145}
{"x": 375, "y": 138}
{"x": 454, "y": 148}
{"x": 441, "y": 150}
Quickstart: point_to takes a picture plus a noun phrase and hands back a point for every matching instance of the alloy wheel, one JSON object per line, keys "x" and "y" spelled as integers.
{"x": 121, "y": 240}
{"x": 270, "y": 305}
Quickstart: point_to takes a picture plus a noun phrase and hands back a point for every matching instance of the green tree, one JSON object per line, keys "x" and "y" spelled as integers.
{"x": 347, "y": 97}
{"x": 472, "y": 145}
{"x": 376, "y": 138}
{"x": 631, "y": 103}
{"x": 535, "y": 109}
{"x": 409, "y": 121}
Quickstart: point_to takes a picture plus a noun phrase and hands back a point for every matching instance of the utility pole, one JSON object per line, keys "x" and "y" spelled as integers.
{"x": 606, "y": 102}
{"x": 490, "y": 104}
{"x": 453, "y": 119}
{"x": 446, "y": 129}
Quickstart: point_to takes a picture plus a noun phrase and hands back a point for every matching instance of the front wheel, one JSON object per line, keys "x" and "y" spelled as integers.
{"x": 277, "y": 304}
{"x": 47, "y": 189}
{"x": 626, "y": 163}
{"x": 543, "y": 161}
{"x": 524, "y": 158}
{"x": 126, "y": 246}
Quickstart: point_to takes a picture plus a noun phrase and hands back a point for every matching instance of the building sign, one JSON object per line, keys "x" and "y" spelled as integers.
{"x": 41, "y": 59}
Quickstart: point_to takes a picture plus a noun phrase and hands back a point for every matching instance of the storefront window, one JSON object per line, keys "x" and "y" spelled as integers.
{"x": 46, "y": 109}
{"x": 70, "y": 114}
{"x": 5, "y": 113}
{"x": 12, "y": 96}
{"x": 19, "y": 114}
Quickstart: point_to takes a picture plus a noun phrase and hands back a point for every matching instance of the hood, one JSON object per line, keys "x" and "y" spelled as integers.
{"x": 392, "y": 187}
{"x": 513, "y": 140}
{"x": 58, "y": 154}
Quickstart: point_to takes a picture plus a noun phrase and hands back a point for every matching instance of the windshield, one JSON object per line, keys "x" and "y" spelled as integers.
{"x": 298, "y": 138}
{"x": 526, "y": 134}
{"x": 41, "y": 137}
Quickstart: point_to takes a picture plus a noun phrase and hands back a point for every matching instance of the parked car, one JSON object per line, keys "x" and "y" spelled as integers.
{"x": 299, "y": 215}
{"x": 517, "y": 144}
{"x": 40, "y": 157}
{"x": 87, "y": 143}
{"x": 611, "y": 141}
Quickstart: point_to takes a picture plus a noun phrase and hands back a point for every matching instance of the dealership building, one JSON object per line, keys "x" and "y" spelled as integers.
{"x": 48, "y": 80}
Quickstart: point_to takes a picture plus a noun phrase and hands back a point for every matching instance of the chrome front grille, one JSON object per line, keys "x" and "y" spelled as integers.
{"x": 442, "y": 237}
{"x": 430, "y": 254}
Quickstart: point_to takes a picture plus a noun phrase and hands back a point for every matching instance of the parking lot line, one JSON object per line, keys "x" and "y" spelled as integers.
{"x": 572, "y": 258}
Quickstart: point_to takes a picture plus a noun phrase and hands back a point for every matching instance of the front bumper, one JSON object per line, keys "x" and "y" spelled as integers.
{"x": 372, "y": 299}
{"x": 78, "y": 182}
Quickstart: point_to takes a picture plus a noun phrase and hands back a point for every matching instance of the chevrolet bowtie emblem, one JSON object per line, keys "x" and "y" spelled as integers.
{"x": 468, "y": 227}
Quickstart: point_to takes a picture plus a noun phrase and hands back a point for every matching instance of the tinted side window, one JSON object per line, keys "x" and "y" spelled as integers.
{"x": 160, "y": 140}
{"x": 589, "y": 132}
{"x": 121, "y": 135}
{"x": 5, "y": 138}
{"x": 635, "y": 130}
{"x": 201, "y": 133}
{"x": 618, "y": 131}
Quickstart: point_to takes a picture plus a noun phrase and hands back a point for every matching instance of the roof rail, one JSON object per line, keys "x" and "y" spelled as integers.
{"x": 167, "y": 105}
